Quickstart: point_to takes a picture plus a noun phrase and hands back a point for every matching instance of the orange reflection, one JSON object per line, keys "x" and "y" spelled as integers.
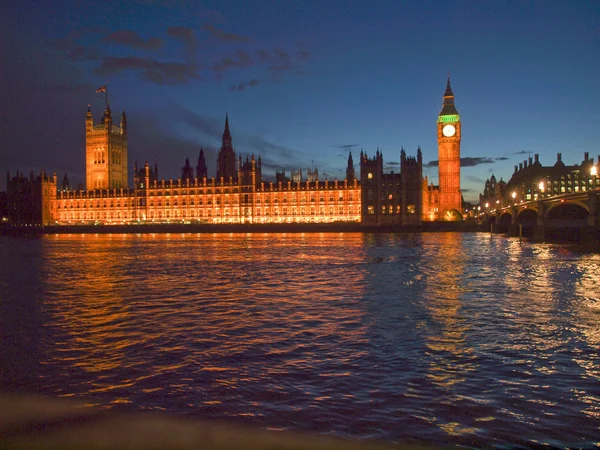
{"x": 155, "y": 305}
{"x": 452, "y": 360}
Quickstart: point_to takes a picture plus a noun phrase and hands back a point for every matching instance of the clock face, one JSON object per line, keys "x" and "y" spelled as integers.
{"x": 449, "y": 130}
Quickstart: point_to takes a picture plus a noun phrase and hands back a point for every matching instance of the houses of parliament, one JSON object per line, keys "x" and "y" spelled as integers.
{"x": 238, "y": 193}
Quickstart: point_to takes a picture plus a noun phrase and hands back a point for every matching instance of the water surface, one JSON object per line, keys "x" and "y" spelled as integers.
{"x": 440, "y": 338}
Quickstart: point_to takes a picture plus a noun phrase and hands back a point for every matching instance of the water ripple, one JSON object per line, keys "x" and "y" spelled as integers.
{"x": 441, "y": 338}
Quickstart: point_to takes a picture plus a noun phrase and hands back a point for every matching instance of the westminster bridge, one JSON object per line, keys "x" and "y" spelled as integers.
{"x": 566, "y": 217}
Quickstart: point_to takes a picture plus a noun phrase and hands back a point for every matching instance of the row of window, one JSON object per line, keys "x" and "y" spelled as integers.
{"x": 62, "y": 204}
{"x": 206, "y": 213}
{"x": 410, "y": 209}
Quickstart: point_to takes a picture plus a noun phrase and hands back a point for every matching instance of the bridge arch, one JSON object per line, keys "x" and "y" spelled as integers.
{"x": 566, "y": 221}
{"x": 453, "y": 216}
{"x": 571, "y": 209}
{"x": 527, "y": 220}
{"x": 503, "y": 222}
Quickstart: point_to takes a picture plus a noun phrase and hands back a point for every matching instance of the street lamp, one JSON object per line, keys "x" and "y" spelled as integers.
{"x": 594, "y": 171}
{"x": 514, "y": 196}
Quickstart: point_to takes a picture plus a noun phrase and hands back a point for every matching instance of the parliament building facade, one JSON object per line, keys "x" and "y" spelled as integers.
{"x": 238, "y": 194}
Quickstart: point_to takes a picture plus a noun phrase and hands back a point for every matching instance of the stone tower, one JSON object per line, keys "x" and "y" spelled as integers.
{"x": 105, "y": 152}
{"x": 371, "y": 173}
{"x": 448, "y": 134}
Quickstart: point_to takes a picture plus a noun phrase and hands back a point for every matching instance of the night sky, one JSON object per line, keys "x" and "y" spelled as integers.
{"x": 303, "y": 82}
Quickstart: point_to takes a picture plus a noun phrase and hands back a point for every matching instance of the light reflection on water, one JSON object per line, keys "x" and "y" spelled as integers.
{"x": 444, "y": 337}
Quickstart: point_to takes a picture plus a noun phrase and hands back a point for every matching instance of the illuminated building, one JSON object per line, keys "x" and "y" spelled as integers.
{"x": 239, "y": 194}
{"x": 391, "y": 198}
{"x": 532, "y": 181}
{"x": 105, "y": 152}
{"x": 494, "y": 193}
{"x": 449, "y": 134}
{"x": 406, "y": 198}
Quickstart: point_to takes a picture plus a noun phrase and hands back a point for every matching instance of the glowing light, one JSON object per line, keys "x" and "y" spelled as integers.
{"x": 513, "y": 195}
{"x": 542, "y": 186}
{"x": 594, "y": 171}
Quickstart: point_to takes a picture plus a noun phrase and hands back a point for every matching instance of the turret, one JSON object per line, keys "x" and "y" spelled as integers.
{"x": 123, "y": 123}
{"x": 201, "y": 170}
{"x": 65, "y": 183}
{"x": 89, "y": 120}
{"x": 226, "y": 133}
{"x": 187, "y": 172}
{"x": 226, "y": 158}
{"x": 350, "y": 173}
{"x": 107, "y": 117}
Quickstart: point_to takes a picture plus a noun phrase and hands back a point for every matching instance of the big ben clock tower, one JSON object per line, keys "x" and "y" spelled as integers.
{"x": 448, "y": 134}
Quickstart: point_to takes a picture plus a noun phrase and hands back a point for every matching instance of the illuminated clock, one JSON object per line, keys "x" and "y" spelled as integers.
{"x": 449, "y": 130}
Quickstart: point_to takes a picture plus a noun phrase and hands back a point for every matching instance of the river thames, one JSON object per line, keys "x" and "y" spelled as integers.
{"x": 440, "y": 338}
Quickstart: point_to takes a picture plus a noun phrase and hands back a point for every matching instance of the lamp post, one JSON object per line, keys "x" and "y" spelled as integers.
{"x": 514, "y": 196}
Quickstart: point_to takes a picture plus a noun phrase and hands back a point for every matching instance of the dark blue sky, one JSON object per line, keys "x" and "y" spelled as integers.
{"x": 303, "y": 82}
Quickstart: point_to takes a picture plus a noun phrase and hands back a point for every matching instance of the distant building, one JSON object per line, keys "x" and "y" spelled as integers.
{"x": 532, "y": 181}
{"x": 494, "y": 192}
{"x": 30, "y": 200}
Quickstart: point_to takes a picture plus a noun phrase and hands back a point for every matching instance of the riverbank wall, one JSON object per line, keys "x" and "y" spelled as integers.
{"x": 243, "y": 228}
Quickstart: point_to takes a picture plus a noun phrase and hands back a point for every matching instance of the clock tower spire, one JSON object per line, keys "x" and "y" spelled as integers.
{"x": 449, "y": 133}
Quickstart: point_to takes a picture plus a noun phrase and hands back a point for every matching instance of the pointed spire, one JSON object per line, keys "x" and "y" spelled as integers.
{"x": 448, "y": 107}
{"x": 226, "y": 142}
{"x": 448, "y": 92}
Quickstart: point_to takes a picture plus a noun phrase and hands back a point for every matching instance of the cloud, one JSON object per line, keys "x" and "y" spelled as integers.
{"x": 501, "y": 158}
{"x": 465, "y": 162}
{"x": 241, "y": 58}
{"x": 83, "y": 53}
{"x": 279, "y": 60}
{"x": 160, "y": 141}
{"x": 472, "y": 162}
{"x": 67, "y": 42}
{"x": 243, "y": 85}
{"x": 392, "y": 163}
{"x": 206, "y": 125}
{"x": 159, "y": 72}
{"x": 522, "y": 152}
{"x": 187, "y": 36}
{"x": 260, "y": 145}
{"x": 223, "y": 35}
{"x": 475, "y": 179}
{"x": 130, "y": 38}
{"x": 345, "y": 146}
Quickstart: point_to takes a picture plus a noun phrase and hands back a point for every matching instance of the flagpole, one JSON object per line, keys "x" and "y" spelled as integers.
{"x": 106, "y": 96}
